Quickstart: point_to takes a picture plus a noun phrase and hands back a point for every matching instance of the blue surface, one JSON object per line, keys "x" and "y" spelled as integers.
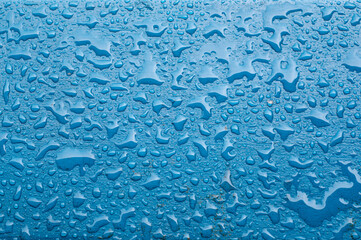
{"x": 180, "y": 120}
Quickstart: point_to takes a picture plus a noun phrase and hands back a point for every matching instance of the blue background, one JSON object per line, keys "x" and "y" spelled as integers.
{"x": 180, "y": 120}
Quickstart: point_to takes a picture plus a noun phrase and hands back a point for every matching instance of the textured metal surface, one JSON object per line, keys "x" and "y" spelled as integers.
{"x": 180, "y": 120}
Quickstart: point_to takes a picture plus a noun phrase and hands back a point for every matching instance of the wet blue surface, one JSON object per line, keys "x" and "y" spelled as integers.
{"x": 180, "y": 120}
